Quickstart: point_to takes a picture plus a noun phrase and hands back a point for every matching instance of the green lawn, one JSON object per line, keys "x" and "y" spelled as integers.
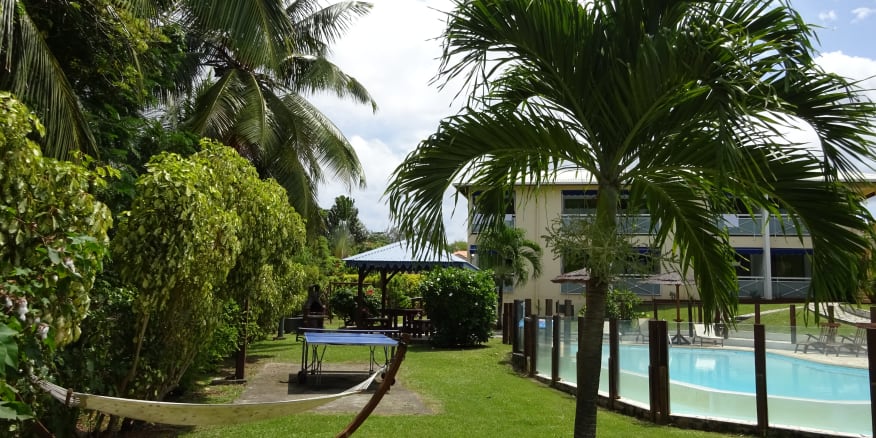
{"x": 475, "y": 393}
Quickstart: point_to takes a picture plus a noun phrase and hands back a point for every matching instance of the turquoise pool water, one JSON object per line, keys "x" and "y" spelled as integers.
{"x": 719, "y": 383}
{"x": 732, "y": 370}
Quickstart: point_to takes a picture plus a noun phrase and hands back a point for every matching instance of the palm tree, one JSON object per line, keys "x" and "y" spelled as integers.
{"x": 507, "y": 251}
{"x": 265, "y": 56}
{"x": 683, "y": 103}
{"x": 35, "y": 71}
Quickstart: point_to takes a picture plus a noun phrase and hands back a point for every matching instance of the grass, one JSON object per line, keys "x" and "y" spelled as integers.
{"x": 474, "y": 392}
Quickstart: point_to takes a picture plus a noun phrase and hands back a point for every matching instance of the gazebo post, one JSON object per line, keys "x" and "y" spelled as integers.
{"x": 360, "y": 300}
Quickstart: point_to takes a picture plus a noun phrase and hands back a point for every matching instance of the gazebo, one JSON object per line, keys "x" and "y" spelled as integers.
{"x": 398, "y": 257}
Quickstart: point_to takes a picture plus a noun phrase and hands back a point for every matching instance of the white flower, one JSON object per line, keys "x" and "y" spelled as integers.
{"x": 22, "y": 308}
{"x": 7, "y": 302}
{"x": 43, "y": 330}
{"x": 68, "y": 262}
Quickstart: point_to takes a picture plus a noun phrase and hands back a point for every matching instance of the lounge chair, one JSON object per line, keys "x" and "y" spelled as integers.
{"x": 856, "y": 344}
{"x": 702, "y": 333}
{"x": 642, "y": 327}
{"x": 826, "y": 340}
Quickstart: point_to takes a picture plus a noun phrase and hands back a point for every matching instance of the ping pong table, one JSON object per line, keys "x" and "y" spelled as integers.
{"x": 312, "y": 355}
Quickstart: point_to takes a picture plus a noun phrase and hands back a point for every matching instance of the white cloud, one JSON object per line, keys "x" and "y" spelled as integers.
{"x": 827, "y": 15}
{"x": 394, "y": 52}
{"x": 862, "y": 13}
{"x": 855, "y": 68}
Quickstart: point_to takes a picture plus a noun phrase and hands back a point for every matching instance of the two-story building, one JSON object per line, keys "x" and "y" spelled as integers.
{"x": 772, "y": 260}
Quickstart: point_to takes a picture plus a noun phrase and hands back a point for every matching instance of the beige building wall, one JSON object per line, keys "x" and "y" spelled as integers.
{"x": 536, "y": 210}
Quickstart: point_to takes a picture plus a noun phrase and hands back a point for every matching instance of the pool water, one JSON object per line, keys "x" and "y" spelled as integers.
{"x": 719, "y": 383}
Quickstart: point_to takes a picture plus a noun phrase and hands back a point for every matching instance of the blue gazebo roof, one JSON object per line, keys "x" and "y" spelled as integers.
{"x": 399, "y": 257}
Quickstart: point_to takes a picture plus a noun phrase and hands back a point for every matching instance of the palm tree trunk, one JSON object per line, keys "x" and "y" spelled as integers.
{"x": 590, "y": 332}
{"x": 589, "y": 360}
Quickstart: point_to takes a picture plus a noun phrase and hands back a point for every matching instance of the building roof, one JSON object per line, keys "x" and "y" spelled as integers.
{"x": 399, "y": 256}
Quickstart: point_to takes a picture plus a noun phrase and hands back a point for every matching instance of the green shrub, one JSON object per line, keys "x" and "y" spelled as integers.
{"x": 621, "y": 304}
{"x": 343, "y": 303}
{"x": 53, "y": 240}
{"x": 461, "y": 305}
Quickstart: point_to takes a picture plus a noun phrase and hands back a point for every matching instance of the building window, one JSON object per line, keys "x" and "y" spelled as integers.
{"x": 791, "y": 263}
{"x": 476, "y": 223}
{"x": 578, "y": 202}
{"x": 749, "y": 262}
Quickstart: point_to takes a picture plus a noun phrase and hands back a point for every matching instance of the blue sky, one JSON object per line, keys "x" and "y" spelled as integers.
{"x": 394, "y": 51}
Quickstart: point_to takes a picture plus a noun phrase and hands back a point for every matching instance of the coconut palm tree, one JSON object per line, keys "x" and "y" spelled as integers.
{"x": 265, "y": 57}
{"x": 686, "y": 104}
{"x": 33, "y": 36}
{"x": 508, "y": 252}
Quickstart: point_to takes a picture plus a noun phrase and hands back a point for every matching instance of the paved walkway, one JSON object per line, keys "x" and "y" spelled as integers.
{"x": 278, "y": 381}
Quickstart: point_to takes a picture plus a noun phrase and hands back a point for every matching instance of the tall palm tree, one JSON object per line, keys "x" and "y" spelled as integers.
{"x": 264, "y": 58}
{"x": 508, "y": 252}
{"x": 681, "y": 102}
{"x": 34, "y": 70}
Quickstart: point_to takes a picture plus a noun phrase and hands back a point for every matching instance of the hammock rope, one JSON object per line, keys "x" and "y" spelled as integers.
{"x": 194, "y": 414}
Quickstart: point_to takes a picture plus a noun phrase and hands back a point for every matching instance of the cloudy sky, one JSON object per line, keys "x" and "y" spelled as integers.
{"x": 394, "y": 52}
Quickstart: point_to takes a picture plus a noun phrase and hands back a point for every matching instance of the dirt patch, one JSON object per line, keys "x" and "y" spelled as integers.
{"x": 279, "y": 381}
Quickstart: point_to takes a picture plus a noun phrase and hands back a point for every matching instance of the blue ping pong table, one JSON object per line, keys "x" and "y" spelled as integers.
{"x": 312, "y": 355}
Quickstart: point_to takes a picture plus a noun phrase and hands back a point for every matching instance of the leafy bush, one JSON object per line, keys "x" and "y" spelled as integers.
{"x": 53, "y": 239}
{"x": 461, "y": 305}
{"x": 343, "y": 303}
{"x": 621, "y": 304}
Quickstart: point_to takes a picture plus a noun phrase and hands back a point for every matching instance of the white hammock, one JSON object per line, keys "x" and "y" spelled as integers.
{"x": 194, "y": 414}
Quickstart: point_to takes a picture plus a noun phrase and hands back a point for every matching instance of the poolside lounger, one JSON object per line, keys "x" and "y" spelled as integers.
{"x": 826, "y": 340}
{"x": 856, "y": 344}
{"x": 707, "y": 334}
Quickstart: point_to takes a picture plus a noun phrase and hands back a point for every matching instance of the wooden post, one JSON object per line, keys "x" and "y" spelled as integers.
{"x": 555, "y": 351}
{"x": 527, "y": 304}
{"x": 793, "y": 320}
{"x": 871, "y": 361}
{"x": 533, "y": 347}
{"x": 690, "y": 323}
{"x": 760, "y": 379}
{"x": 873, "y": 318}
{"x": 757, "y": 313}
{"x": 507, "y": 317}
{"x": 654, "y": 305}
{"x": 658, "y": 371}
{"x": 830, "y": 314}
{"x": 515, "y": 316}
{"x": 549, "y": 307}
{"x": 529, "y": 324}
{"x": 613, "y": 363}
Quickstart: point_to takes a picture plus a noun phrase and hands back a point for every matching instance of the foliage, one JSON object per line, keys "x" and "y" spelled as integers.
{"x": 265, "y": 57}
{"x": 343, "y": 303}
{"x": 53, "y": 239}
{"x": 183, "y": 246}
{"x": 101, "y": 357}
{"x": 343, "y": 227}
{"x": 622, "y": 304}
{"x": 403, "y": 287}
{"x": 461, "y": 305}
{"x": 689, "y": 106}
{"x": 88, "y": 67}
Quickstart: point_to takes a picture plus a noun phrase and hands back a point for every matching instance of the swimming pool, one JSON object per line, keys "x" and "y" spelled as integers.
{"x": 719, "y": 383}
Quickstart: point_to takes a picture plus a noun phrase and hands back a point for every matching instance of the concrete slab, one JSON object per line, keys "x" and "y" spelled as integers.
{"x": 278, "y": 381}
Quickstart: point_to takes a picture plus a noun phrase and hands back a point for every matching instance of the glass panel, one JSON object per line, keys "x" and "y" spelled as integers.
{"x": 543, "y": 346}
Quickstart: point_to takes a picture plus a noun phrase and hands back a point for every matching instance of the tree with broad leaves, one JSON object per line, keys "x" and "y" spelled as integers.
{"x": 686, "y": 104}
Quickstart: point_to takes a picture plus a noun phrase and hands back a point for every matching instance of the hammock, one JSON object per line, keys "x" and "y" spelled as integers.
{"x": 195, "y": 414}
